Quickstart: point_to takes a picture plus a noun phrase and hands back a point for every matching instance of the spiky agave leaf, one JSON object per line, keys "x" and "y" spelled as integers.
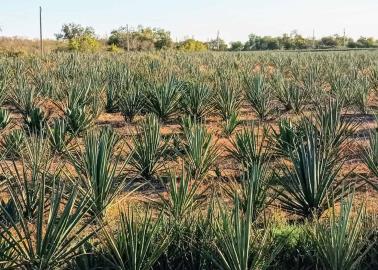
{"x": 288, "y": 135}
{"x": 36, "y": 122}
{"x": 334, "y": 130}
{"x": 4, "y": 118}
{"x": 48, "y": 241}
{"x": 340, "y": 242}
{"x": 118, "y": 76}
{"x": 58, "y": 137}
{"x": 259, "y": 96}
{"x": 230, "y": 125}
{"x": 254, "y": 186}
{"x": 239, "y": 244}
{"x": 184, "y": 197}
{"x": 76, "y": 107}
{"x": 249, "y": 147}
{"x": 25, "y": 180}
{"x": 370, "y": 156}
{"x": 13, "y": 143}
{"x": 312, "y": 172}
{"x": 24, "y": 97}
{"x": 131, "y": 100}
{"x": 196, "y": 100}
{"x": 163, "y": 100}
{"x": 148, "y": 148}
{"x": 99, "y": 169}
{"x": 228, "y": 100}
{"x": 200, "y": 151}
{"x": 137, "y": 245}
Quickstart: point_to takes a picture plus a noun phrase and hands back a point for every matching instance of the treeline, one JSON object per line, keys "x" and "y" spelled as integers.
{"x": 146, "y": 38}
{"x": 79, "y": 38}
{"x": 298, "y": 42}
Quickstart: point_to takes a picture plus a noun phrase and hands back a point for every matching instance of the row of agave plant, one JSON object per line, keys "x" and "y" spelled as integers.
{"x": 62, "y": 176}
{"x": 54, "y": 207}
{"x": 83, "y": 87}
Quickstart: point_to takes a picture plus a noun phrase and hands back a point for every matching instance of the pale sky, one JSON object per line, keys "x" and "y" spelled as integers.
{"x": 198, "y": 18}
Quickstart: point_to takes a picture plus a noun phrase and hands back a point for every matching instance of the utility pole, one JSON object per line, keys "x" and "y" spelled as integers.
{"x": 218, "y": 42}
{"x": 40, "y": 30}
{"x": 344, "y": 38}
{"x": 313, "y": 38}
{"x": 128, "y": 38}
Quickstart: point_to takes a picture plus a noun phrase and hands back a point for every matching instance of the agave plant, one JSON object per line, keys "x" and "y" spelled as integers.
{"x": 227, "y": 101}
{"x": 373, "y": 78}
{"x": 280, "y": 87}
{"x": 200, "y": 151}
{"x": 184, "y": 197}
{"x": 230, "y": 125}
{"x": 79, "y": 119}
{"x": 196, "y": 100}
{"x": 312, "y": 174}
{"x": 341, "y": 89}
{"x": 311, "y": 81}
{"x": 361, "y": 90}
{"x": 370, "y": 156}
{"x": 118, "y": 77}
{"x": 76, "y": 108}
{"x": 164, "y": 100}
{"x": 297, "y": 97}
{"x": 4, "y": 83}
{"x": 259, "y": 96}
{"x": 253, "y": 186}
{"x": 148, "y": 148}
{"x": 4, "y": 118}
{"x": 58, "y": 137}
{"x": 289, "y": 93}
{"x": 99, "y": 169}
{"x": 54, "y": 237}
{"x": 136, "y": 245}
{"x": 25, "y": 180}
{"x": 13, "y": 143}
{"x": 7, "y": 256}
{"x": 239, "y": 244}
{"x": 36, "y": 121}
{"x": 340, "y": 242}
{"x": 130, "y": 102}
{"x": 248, "y": 147}
{"x": 287, "y": 136}
{"x": 25, "y": 98}
{"x": 334, "y": 130}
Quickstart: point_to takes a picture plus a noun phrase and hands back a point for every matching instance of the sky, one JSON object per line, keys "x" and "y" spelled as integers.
{"x": 201, "y": 19}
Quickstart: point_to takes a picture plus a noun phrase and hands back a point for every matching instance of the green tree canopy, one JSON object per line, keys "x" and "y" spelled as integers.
{"x": 73, "y": 30}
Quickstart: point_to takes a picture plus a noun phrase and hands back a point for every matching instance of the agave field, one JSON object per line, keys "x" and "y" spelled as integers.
{"x": 173, "y": 160}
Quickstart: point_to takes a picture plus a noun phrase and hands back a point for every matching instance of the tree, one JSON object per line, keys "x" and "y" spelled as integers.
{"x": 213, "y": 45}
{"x": 84, "y": 43}
{"x": 286, "y": 42}
{"x": 269, "y": 43}
{"x": 192, "y": 45}
{"x": 236, "y": 46}
{"x": 301, "y": 42}
{"x": 252, "y": 43}
{"x": 364, "y": 42}
{"x": 79, "y": 38}
{"x": 328, "y": 42}
{"x": 163, "y": 39}
{"x": 141, "y": 39}
{"x": 71, "y": 30}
